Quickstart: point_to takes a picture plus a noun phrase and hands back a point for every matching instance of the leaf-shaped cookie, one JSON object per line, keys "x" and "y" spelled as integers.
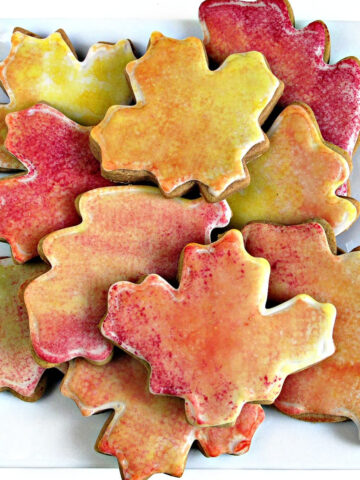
{"x": 212, "y": 341}
{"x": 19, "y": 372}
{"x": 126, "y": 233}
{"x": 148, "y": 434}
{"x": 56, "y": 153}
{"x": 296, "y": 179}
{"x": 303, "y": 259}
{"x": 297, "y": 57}
{"x": 190, "y": 124}
{"x": 47, "y": 70}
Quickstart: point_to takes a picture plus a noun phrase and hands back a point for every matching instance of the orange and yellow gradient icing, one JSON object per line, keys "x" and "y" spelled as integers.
{"x": 148, "y": 434}
{"x": 46, "y": 69}
{"x": 212, "y": 341}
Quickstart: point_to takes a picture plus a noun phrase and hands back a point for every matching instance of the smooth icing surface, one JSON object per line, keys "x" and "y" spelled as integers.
{"x": 46, "y": 69}
{"x": 56, "y": 153}
{"x": 148, "y": 434}
{"x": 301, "y": 261}
{"x": 212, "y": 341}
{"x": 295, "y": 56}
{"x": 198, "y": 124}
{"x": 18, "y": 370}
{"x": 296, "y": 179}
{"x": 127, "y": 232}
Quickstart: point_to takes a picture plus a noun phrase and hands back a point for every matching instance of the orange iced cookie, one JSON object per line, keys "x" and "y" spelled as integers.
{"x": 296, "y": 179}
{"x": 212, "y": 341}
{"x": 126, "y": 232}
{"x": 47, "y": 69}
{"x": 55, "y": 150}
{"x": 19, "y": 372}
{"x": 303, "y": 259}
{"x": 190, "y": 124}
{"x": 148, "y": 434}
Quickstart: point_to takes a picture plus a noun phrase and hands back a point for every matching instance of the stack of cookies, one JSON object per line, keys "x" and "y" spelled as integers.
{"x": 183, "y": 306}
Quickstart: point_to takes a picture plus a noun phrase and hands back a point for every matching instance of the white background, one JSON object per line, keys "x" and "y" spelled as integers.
{"x": 341, "y": 439}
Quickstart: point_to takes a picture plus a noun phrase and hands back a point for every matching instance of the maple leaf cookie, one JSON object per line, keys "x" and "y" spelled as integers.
{"x": 126, "y": 233}
{"x": 303, "y": 258}
{"x": 55, "y": 150}
{"x": 212, "y": 341}
{"x": 297, "y": 57}
{"x": 47, "y": 70}
{"x": 19, "y": 372}
{"x": 296, "y": 179}
{"x": 148, "y": 434}
{"x": 190, "y": 124}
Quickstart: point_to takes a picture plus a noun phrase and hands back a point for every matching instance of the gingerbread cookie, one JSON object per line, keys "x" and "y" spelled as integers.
{"x": 47, "y": 69}
{"x": 303, "y": 258}
{"x": 190, "y": 124}
{"x": 127, "y": 232}
{"x": 19, "y": 372}
{"x": 60, "y": 166}
{"x": 296, "y": 179}
{"x": 212, "y": 341}
{"x": 298, "y": 57}
{"x": 148, "y": 434}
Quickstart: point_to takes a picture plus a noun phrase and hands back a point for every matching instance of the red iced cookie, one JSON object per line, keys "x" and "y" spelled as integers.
{"x": 60, "y": 166}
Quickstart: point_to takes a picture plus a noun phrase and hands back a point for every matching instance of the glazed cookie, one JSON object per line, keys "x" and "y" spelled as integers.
{"x": 60, "y": 165}
{"x": 126, "y": 233}
{"x": 19, "y": 372}
{"x": 148, "y": 434}
{"x": 47, "y": 69}
{"x": 303, "y": 258}
{"x": 190, "y": 124}
{"x": 212, "y": 341}
{"x": 296, "y": 179}
{"x": 298, "y": 57}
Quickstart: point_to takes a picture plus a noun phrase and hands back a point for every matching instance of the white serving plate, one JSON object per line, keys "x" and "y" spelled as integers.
{"x": 52, "y": 432}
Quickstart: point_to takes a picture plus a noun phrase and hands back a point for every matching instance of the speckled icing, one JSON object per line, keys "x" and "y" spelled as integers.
{"x": 46, "y": 69}
{"x": 148, "y": 434}
{"x": 212, "y": 341}
{"x": 296, "y": 179}
{"x": 19, "y": 372}
{"x": 198, "y": 124}
{"x": 56, "y": 153}
{"x": 297, "y": 57}
{"x": 126, "y": 232}
{"x": 301, "y": 261}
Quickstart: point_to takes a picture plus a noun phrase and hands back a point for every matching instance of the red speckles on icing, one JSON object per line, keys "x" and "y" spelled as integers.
{"x": 126, "y": 233}
{"x": 18, "y": 370}
{"x": 56, "y": 153}
{"x": 149, "y": 434}
{"x": 220, "y": 336}
{"x": 297, "y": 57}
{"x": 303, "y": 262}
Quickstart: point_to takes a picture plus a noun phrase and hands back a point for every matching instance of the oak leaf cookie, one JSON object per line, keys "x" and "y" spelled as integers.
{"x": 297, "y": 57}
{"x": 148, "y": 434}
{"x": 55, "y": 150}
{"x": 126, "y": 233}
{"x": 47, "y": 70}
{"x": 190, "y": 124}
{"x": 212, "y": 341}
{"x": 296, "y": 179}
{"x": 19, "y": 372}
{"x": 303, "y": 258}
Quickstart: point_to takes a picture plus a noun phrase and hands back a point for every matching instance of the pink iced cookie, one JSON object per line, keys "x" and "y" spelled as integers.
{"x": 303, "y": 258}
{"x": 19, "y": 372}
{"x": 212, "y": 341}
{"x": 56, "y": 153}
{"x": 297, "y": 57}
{"x": 148, "y": 434}
{"x": 126, "y": 233}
